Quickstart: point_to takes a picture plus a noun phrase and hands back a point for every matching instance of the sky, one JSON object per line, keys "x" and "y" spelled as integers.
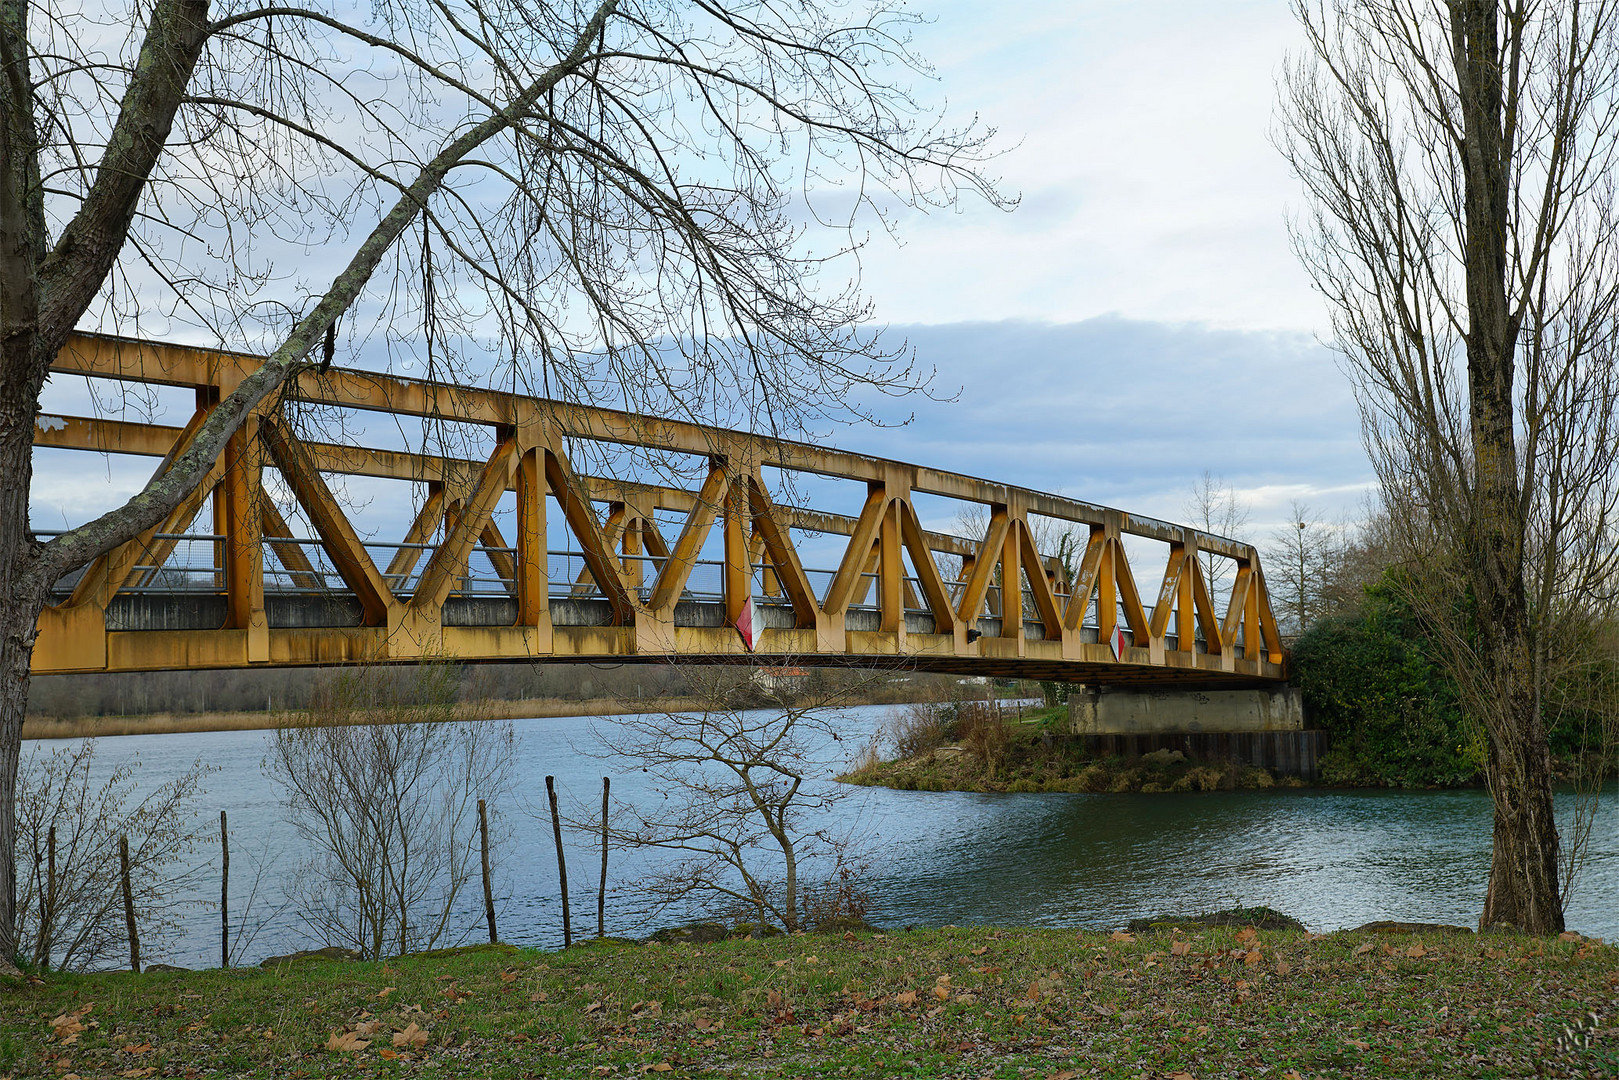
{"x": 1140, "y": 317}
{"x": 1137, "y": 320}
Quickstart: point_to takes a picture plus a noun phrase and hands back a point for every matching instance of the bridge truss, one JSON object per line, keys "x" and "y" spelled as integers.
{"x": 599, "y": 568}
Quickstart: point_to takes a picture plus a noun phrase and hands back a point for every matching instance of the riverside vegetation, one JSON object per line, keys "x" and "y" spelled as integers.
{"x": 987, "y": 746}
{"x": 1178, "y": 1000}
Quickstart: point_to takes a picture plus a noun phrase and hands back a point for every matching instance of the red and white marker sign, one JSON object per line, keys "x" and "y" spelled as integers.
{"x": 1117, "y": 642}
{"x": 744, "y": 624}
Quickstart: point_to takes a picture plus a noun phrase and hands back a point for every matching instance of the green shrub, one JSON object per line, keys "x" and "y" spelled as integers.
{"x": 1393, "y": 716}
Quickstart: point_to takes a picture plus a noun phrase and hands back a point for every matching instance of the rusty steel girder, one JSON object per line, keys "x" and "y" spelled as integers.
{"x": 1093, "y": 628}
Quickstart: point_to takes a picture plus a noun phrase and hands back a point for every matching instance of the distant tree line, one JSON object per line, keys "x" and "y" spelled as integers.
{"x": 297, "y": 689}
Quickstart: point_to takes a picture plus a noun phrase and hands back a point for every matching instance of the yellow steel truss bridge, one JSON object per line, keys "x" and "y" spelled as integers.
{"x": 606, "y": 569}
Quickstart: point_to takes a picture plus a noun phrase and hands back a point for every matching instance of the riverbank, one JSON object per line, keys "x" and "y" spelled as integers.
{"x": 977, "y": 1002}
{"x": 163, "y": 723}
{"x": 172, "y": 723}
{"x": 970, "y": 747}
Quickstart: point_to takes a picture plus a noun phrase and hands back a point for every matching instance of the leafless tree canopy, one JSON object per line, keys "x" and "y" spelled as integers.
{"x": 71, "y": 815}
{"x": 746, "y": 783}
{"x": 382, "y": 786}
{"x": 630, "y": 229}
{"x": 1459, "y": 161}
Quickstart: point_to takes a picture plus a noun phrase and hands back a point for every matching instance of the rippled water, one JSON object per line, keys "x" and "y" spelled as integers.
{"x": 1330, "y": 858}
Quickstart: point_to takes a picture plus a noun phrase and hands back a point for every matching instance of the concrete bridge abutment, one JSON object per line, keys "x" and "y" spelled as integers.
{"x": 1136, "y": 711}
{"x": 1260, "y": 727}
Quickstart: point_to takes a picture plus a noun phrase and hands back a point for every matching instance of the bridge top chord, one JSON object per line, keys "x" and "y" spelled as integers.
{"x": 714, "y": 569}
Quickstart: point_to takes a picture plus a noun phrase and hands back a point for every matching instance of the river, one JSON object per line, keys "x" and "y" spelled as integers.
{"x": 1332, "y": 859}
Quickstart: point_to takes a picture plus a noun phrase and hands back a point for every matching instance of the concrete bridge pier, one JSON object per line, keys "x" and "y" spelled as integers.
{"x": 1261, "y": 727}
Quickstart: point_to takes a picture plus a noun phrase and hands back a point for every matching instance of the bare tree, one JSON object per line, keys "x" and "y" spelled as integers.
{"x": 744, "y": 787}
{"x": 1459, "y": 159}
{"x": 1300, "y": 561}
{"x": 382, "y": 783}
{"x": 608, "y": 190}
{"x": 1215, "y": 507}
{"x": 71, "y": 815}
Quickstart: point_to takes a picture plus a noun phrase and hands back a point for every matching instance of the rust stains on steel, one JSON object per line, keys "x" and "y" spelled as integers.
{"x": 633, "y": 599}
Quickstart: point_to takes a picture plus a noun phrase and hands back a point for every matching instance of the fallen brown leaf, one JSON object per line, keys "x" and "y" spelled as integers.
{"x": 346, "y": 1042}
{"x": 1247, "y": 934}
{"x": 662, "y": 1066}
{"x": 1362, "y": 950}
{"x": 1180, "y": 948}
{"x": 412, "y": 1037}
{"x": 1120, "y": 935}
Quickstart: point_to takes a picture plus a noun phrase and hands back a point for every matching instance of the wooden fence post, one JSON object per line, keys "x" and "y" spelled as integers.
{"x": 488, "y": 892}
{"x": 562, "y": 864}
{"x": 224, "y": 894}
{"x": 129, "y": 906}
{"x": 601, "y": 893}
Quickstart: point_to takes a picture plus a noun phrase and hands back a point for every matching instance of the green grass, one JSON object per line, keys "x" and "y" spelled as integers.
{"x": 935, "y": 1003}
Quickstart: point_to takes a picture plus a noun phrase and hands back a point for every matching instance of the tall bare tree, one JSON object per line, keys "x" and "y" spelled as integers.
{"x": 1459, "y": 157}
{"x": 1301, "y": 555}
{"x": 609, "y": 190}
{"x": 1215, "y": 507}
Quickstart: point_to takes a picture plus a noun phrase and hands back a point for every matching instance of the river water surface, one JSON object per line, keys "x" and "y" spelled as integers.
{"x": 1332, "y": 859}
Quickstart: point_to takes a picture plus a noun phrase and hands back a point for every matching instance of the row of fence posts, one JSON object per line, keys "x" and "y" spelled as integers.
{"x": 483, "y": 844}
{"x": 562, "y": 865}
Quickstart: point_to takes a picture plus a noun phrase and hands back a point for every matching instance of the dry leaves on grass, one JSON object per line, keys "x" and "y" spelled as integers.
{"x": 66, "y": 1027}
{"x": 1246, "y": 935}
{"x": 412, "y": 1038}
{"x": 1180, "y": 948}
{"x": 346, "y": 1042}
{"x": 1120, "y": 935}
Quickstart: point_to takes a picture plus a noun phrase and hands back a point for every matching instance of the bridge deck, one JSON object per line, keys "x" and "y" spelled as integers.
{"x": 589, "y": 573}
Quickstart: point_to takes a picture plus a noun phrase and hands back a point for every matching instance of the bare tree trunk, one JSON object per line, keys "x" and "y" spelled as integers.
{"x": 20, "y": 604}
{"x": 1523, "y": 889}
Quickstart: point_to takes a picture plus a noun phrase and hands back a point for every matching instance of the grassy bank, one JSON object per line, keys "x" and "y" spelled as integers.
{"x": 966, "y": 746}
{"x": 1204, "y": 1003}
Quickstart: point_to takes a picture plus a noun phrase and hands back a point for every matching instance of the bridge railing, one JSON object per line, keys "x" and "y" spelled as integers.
{"x": 635, "y": 549}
